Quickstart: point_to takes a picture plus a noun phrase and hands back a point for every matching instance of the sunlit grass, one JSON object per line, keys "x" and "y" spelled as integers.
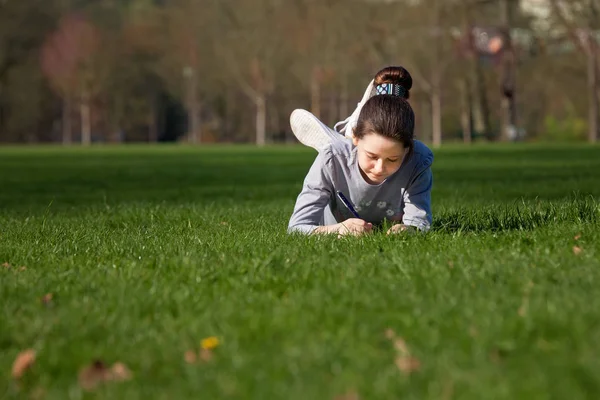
{"x": 148, "y": 250}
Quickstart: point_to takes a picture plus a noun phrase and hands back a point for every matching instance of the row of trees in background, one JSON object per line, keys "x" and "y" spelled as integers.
{"x": 233, "y": 70}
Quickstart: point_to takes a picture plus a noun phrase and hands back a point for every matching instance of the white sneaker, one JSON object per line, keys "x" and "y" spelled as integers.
{"x": 310, "y": 131}
{"x": 346, "y": 127}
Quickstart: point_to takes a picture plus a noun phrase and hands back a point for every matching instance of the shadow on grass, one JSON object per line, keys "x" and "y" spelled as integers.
{"x": 518, "y": 216}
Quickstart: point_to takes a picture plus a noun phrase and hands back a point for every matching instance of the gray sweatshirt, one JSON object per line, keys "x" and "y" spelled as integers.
{"x": 405, "y": 196}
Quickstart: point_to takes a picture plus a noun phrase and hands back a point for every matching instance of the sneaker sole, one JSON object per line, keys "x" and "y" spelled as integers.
{"x": 309, "y": 130}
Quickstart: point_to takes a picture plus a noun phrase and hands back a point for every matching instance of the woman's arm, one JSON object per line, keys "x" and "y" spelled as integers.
{"x": 317, "y": 192}
{"x": 417, "y": 201}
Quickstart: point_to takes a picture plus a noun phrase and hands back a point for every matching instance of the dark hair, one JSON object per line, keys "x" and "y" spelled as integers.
{"x": 389, "y": 115}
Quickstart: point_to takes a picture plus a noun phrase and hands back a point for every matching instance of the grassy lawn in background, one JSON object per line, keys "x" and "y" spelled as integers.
{"x": 148, "y": 250}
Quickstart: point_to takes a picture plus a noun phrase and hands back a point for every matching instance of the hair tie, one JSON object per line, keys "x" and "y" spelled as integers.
{"x": 391, "y": 88}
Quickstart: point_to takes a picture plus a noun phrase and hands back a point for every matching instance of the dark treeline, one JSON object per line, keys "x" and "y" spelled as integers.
{"x": 83, "y": 71}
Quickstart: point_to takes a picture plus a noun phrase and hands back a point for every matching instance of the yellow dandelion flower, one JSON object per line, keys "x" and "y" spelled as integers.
{"x": 209, "y": 343}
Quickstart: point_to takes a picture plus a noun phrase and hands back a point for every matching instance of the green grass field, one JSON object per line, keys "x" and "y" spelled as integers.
{"x": 148, "y": 250}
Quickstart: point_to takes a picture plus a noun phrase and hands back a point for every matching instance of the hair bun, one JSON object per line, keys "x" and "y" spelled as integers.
{"x": 397, "y": 75}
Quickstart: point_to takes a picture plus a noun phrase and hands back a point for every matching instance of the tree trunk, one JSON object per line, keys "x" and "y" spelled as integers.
{"x": 67, "y": 134}
{"x": 436, "y": 115}
{"x": 426, "y": 119}
{"x": 261, "y": 119}
{"x": 482, "y": 112}
{"x": 193, "y": 106}
{"x": 508, "y": 104}
{"x": 592, "y": 85}
{"x": 332, "y": 107}
{"x": 587, "y": 44}
{"x": 509, "y": 110}
{"x": 274, "y": 123}
{"x": 152, "y": 129}
{"x": 477, "y": 85}
{"x": 315, "y": 92}
{"x": 230, "y": 115}
{"x": 1, "y": 108}
{"x": 466, "y": 113}
{"x": 474, "y": 99}
{"x": 593, "y": 134}
{"x": 197, "y": 122}
{"x": 86, "y": 122}
{"x": 592, "y": 57}
{"x": 436, "y": 78}
{"x": 153, "y": 121}
{"x": 343, "y": 104}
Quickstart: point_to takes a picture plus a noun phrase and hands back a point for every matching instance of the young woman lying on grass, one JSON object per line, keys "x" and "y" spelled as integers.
{"x": 374, "y": 161}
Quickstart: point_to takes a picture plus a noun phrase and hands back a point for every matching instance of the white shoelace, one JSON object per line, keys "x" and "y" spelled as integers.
{"x": 365, "y": 98}
{"x": 342, "y": 130}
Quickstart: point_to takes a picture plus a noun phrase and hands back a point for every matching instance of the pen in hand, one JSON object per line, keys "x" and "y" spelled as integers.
{"x": 347, "y": 203}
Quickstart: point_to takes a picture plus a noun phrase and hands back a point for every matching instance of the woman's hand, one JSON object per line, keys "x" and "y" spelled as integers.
{"x": 399, "y": 228}
{"x": 354, "y": 226}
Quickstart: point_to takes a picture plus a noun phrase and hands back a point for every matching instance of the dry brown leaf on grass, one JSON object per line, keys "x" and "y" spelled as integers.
{"x": 97, "y": 373}
{"x": 206, "y": 354}
{"x": 577, "y": 250}
{"x": 404, "y": 361}
{"x": 92, "y": 375}
{"x": 390, "y": 334}
{"x": 207, "y": 345}
{"x": 407, "y": 364}
{"x": 120, "y": 372}
{"x": 22, "y": 268}
{"x": 22, "y": 363}
{"x": 351, "y": 395}
{"x": 190, "y": 357}
{"x": 524, "y": 307}
{"x": 6, "y": 265}
{"x": 47, "y": 298}
{"x": 400, "y": 346}
{"x": 577, "y": 237}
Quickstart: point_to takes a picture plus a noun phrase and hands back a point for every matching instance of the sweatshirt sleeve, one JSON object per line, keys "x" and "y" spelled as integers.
{"x": 316, "y": 194}
{"x": 417, "y": 201}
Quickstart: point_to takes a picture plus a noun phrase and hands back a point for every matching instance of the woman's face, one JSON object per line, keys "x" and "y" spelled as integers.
{"x": 378, "y": 157}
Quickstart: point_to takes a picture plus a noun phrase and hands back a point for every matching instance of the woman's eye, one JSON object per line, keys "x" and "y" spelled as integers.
{"x": 393, "y": 161}
{"x": 373, "y": 157}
